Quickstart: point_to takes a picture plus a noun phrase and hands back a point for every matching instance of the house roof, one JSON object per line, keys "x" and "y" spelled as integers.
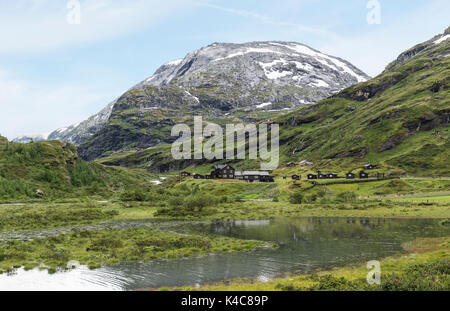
{"x": 255, "y": 173}
{"x": 221, "y": 166}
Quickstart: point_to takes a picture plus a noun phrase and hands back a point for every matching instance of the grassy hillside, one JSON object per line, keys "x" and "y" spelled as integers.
{"x": 52, "y": 169}
{"x": 398, "y": 119}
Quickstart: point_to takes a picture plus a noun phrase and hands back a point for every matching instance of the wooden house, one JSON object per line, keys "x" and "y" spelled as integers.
{"x": 363, "y": 175}
{"x": 322, "y": 176}
{"x": 266, "y": 179}
{"x": 312, "y": 176}
{"x": 350, "y": 176}
{"x": 223, "y": 171}
{"x": 252, "y": 176}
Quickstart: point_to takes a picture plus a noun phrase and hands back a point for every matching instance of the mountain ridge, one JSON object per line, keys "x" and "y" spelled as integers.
{"x": 284, "y": 74}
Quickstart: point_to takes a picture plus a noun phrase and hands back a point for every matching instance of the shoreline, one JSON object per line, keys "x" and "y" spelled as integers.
{"x": 425, "y": 251}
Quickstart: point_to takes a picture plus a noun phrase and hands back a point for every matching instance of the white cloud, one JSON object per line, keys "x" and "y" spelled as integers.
{"x": 41, "y": 25}
{"x": 270, "y": 21}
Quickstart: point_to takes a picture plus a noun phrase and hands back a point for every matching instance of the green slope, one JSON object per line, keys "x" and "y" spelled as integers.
{"x": 55, "y": 168}
{"x": 400, "y": 118}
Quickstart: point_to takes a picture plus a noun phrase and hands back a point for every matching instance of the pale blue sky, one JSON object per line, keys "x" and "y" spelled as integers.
{"x": 53, "y": 74}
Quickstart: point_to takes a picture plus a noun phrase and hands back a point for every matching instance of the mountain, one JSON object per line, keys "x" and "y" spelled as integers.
{"x": 397, "y": 120}
{"x": 244, "y": 82}
{"x": 30, "y": 138}
{"x": 76, "y": 133}
{"x": 247, "y": 81}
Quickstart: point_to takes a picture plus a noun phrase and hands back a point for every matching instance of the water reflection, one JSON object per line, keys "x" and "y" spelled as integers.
{"x": 305, "y": 244}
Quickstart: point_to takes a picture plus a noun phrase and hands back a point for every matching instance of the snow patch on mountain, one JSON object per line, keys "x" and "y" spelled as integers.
{"x": 247, "y": 51}
{"x": 263, "y": 105}
{"x": 442, "y": 39}
{"x": 175, "y": 62}
{"x": 324, "y": 59}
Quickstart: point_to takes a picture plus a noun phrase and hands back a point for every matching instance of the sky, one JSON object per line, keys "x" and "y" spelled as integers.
{"x": 58, "y": 67}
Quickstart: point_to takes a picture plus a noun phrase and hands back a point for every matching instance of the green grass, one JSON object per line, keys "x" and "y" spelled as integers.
{"x": 54, "y": 168}
{"x": 440, "y": 199}
{"x": 109, "y": 247}
{"x": 32, "y": 216}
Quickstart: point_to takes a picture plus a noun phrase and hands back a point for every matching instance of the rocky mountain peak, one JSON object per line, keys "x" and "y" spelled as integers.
{"x": 228, "y": 79}
{"x": 287, "y": 63}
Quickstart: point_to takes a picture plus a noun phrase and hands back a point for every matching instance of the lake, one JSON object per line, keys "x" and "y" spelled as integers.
{"x": 305, "y": 244}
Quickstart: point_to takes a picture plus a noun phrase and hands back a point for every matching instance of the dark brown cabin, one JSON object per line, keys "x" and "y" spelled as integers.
{"x": 223, "y": 171}
{"x": 363, "y": 175}
{"x": 312, "y": 176}
{"x": 350, "y": 176}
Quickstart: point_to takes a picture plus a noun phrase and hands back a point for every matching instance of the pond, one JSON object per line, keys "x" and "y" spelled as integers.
{"x": 305, "y": 244}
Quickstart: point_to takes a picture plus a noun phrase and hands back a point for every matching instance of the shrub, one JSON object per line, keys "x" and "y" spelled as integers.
{"x": 311, "y": 198}
{"x": 176, "y": 201}
{"x": 296, "y": 198}
{"x": 199, "y": 201}
{"x": 429, "y": 276}
{"x": 133, "y": 195}
{"x": 84, "y": 174}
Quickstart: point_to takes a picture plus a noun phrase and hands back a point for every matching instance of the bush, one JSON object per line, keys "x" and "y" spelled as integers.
{"x": 296, "y": 198}
{"x": 14, "y": 189}
{"x": 48, "y": 175}
{"x": 176, "y": 201}
{"x": 311, "y": 198}
{"x": 199, "y": 202}
{"x": 420, "y": 277}
{"x": 133, "y": 195}
{"x": 84, "y": 174}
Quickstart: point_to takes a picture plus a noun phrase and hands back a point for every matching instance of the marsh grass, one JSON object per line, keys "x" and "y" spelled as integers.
{"x": 109, "y": 247}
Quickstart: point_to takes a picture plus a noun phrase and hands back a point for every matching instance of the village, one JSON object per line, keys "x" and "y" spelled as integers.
{"x": 226, "y": 171}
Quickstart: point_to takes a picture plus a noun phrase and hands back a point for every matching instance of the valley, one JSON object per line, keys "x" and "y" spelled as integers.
{"x": 107, "y": 194}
